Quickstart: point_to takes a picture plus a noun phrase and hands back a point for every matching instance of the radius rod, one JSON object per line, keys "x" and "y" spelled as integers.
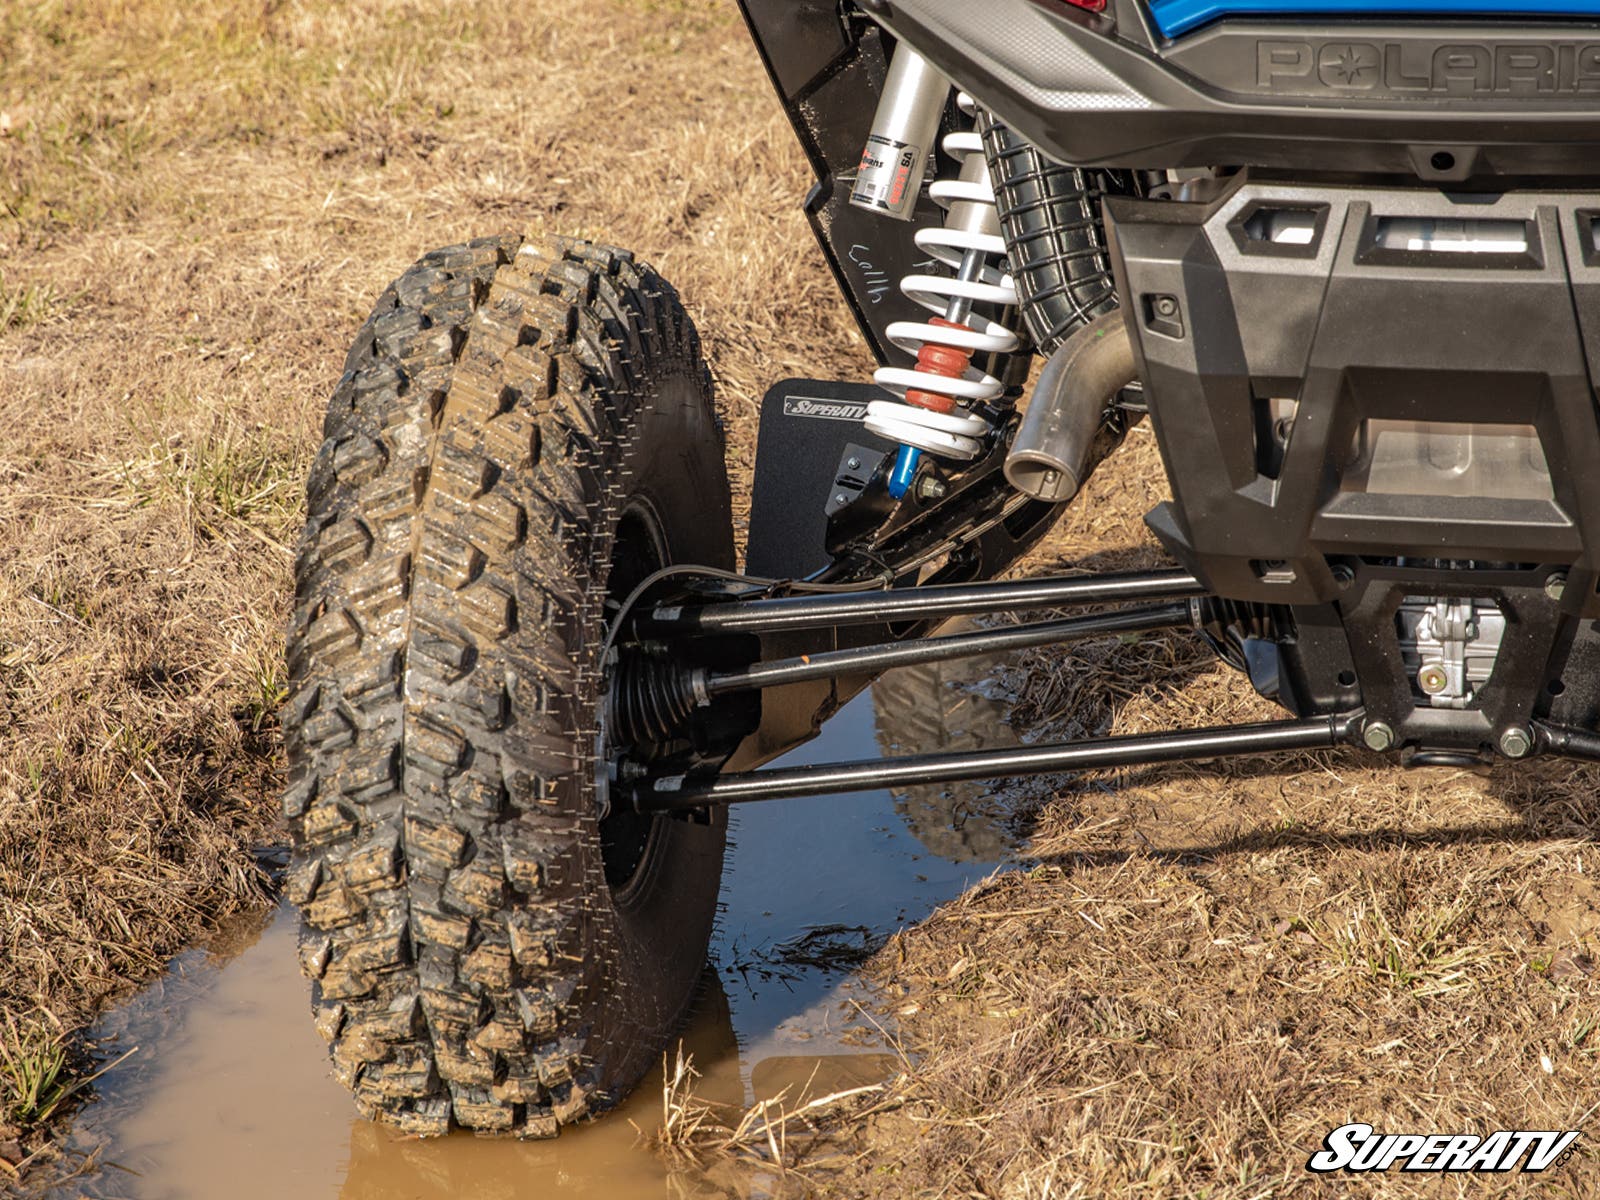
{"x": 934, "y": 602}
{"x": 678, "y": 793}
{"x": 830, "y": 664}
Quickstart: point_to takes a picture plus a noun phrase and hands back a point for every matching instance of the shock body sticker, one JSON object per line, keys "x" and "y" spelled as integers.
{"x": 884, "y": 178}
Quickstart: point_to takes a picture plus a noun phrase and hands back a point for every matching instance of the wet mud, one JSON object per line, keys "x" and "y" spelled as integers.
{"x": 227, "y": 1090}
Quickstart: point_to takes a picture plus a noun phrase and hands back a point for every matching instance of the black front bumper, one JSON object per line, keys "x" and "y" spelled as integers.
{"x": 1272, "y": 368}
{"x": 1352, "y": 332}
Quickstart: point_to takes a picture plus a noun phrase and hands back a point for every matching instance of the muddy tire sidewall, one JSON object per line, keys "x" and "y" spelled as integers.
{"x": 506, "y": 407}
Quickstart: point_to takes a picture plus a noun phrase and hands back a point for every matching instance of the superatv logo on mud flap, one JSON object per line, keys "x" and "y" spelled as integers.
{"x": 1520, "y": 69}
{"x": 828, "y": 410}
{"x": 1362, "y": 1148}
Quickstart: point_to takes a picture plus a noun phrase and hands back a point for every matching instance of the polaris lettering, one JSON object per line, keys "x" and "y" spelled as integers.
{"x": 1453, "y": 68}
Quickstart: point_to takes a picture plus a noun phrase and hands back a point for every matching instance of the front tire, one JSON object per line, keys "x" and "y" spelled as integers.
{"x": 522, "y": 433}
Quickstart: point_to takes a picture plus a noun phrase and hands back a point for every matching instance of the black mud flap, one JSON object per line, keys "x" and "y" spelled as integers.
{"x": 810, "y": 435}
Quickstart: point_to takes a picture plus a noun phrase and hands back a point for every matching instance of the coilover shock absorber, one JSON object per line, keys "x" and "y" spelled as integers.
{"x": 935, "y": 414}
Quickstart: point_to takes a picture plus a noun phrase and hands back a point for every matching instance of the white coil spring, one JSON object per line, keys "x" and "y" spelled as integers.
{"x": 956, "y": 434}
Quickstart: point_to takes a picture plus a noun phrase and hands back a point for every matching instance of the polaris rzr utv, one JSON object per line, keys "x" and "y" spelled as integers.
{"x": 1344, "y": 254}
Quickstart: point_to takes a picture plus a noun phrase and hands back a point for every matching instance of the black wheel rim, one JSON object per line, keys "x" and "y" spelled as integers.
{"x": 626, "y": 836}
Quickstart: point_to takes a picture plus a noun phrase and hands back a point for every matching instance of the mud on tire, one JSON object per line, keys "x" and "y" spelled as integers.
{"x": 522, "y": 430}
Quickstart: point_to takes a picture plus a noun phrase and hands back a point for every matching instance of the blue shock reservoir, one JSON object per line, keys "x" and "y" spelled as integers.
{"x": 1177, "y": 17}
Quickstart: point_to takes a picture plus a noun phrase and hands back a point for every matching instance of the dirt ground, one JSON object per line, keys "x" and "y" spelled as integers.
{"x": 1206, "y": 971}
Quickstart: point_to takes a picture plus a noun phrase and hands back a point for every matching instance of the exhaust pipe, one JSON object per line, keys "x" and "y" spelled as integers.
{"x": 1050, "y": 455}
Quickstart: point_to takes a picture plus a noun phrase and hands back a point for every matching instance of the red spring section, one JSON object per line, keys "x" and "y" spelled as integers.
{"x": 950, "y": 361}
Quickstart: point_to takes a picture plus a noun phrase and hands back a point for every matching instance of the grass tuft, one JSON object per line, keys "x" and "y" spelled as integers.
{"x": 782, "y": 1133}
{"x": 24, "y": 305}
{"x": 33, "y": 1072}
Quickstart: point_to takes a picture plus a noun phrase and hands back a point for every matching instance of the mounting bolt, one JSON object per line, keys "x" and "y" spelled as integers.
{"x": 854, "y": 464}
{"x": 1378, "y": 736}
{"x": 841, "y": 498}
{"x": 1516, "y": 742}
{"x": 1343, "y": 575}
{"x": 1555, "y": 586}
{"x": 930, "y": 488}
{"x": 1166, "y": 306}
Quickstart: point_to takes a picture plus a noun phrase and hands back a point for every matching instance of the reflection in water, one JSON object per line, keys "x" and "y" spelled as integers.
{"x": 230, "y": 1093}
{"x": 936, "y": 707}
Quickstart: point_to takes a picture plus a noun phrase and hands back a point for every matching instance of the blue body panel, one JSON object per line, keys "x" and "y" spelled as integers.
{"x": 1176, "y": 17}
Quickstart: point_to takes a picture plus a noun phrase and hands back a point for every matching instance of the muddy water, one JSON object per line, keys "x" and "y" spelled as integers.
{"x": 228, "y": 1094}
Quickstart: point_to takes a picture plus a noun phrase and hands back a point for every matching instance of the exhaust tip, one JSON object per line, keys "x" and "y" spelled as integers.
{"x": 1042, "y": 475}
{"x": 1052, "y": 452}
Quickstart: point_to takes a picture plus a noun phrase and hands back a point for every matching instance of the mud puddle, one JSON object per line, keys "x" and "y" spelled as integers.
{"x": 229, "y": 1095}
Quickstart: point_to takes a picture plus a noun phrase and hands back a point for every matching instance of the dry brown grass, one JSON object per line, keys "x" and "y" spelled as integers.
{"x": 197, "y": 204}
{"x": 1211, "y": 967}
{"x": 798, "y": 1133}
